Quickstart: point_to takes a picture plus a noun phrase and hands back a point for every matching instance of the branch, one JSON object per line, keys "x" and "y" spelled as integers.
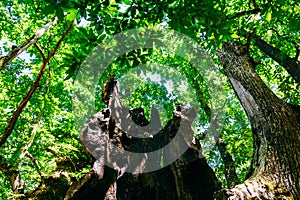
{"x": 254, "y": 4}
{"x": 9, "y": 128}
{"x": 24, "y": 151}
{"x": 297, "y": 50}
{"x": 243, "y": 13}
{"x": 60, "y": 41}
{"x": 40, "y": 52}
{"x": 291, "y": 65}
{"x": 17, "y": 51}
{"x": 250, "y": 37}
{"x": 34, "y": 162}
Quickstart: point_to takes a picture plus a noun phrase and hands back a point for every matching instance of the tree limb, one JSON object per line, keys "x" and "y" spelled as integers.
{"x": 9, "y": 128}
{"x": 243, "y": 13}
{"x": 291, "y": 65}
{"x": 17, "y": 51}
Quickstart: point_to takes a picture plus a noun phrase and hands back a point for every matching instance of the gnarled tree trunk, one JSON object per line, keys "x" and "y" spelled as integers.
{"x": 189, "y": 177}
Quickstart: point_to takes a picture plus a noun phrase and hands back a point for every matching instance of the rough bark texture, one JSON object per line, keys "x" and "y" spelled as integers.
{"x": 276, "y": 130}
{"x": 189, "y": 177}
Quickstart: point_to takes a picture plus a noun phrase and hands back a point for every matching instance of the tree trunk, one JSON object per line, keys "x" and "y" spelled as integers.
{"x": 275, "y": 124}
{"x": 189, "y": 177}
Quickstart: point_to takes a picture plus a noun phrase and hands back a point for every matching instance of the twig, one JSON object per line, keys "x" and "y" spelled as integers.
{"x": 250, "y": 37}
{"x": 243, "y": 13}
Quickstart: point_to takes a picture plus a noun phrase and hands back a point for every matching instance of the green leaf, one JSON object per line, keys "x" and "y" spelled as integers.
{"x": 127, "y": 2}
{"x": 72, "y": 15}
{"x": 269, "y": 15}
{"x": 49, "y": 9}
{"x": 60, "y": 13}
{"x": 235, "y": 36}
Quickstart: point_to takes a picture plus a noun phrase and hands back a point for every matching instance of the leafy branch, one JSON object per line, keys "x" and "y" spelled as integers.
{"x": 256, "y": 10}
{"x": 9, "y": 128}
{"x": 291, "y": 65}
{"x": 32, "y": 40}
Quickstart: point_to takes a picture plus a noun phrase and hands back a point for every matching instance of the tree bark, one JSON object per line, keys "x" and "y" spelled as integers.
{"x": 276, "y": 131}
{"x": 189, "y": 177}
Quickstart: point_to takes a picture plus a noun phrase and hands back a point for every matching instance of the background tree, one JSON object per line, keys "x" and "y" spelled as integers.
{"x": 255, "y": 43}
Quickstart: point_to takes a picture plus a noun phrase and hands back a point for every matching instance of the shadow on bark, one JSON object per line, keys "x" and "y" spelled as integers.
{"x": 189, "y": 177}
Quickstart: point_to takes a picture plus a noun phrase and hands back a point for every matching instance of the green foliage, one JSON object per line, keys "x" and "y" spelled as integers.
{"x": 45, "y": 130}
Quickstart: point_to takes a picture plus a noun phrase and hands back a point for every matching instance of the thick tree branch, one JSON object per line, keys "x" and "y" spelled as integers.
{"x": 21, "y": 106}
{"x": 17, "y": 51}
{"x": 291, "y": 65}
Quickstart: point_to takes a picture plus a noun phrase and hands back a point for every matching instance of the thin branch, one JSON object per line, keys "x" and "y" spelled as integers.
{"x": 9, "y": 128}
{"x": 229, "y": 171}
{"x": 17, "y": 51}
{"x": 243, "y": 13}
{"x": 254, "y": 4}
{"x": 60, "y": 41}
{"x": 28, "y": 155}
{"x": 40, "y": 52}
{"x": 250, "y": 37}
{"x": 24, "y": 151}
{"x": 36, "y": 47}
{"x": 51, "y": 151}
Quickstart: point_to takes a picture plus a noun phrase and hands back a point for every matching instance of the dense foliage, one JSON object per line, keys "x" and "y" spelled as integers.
{"x": 44, "y": 139}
